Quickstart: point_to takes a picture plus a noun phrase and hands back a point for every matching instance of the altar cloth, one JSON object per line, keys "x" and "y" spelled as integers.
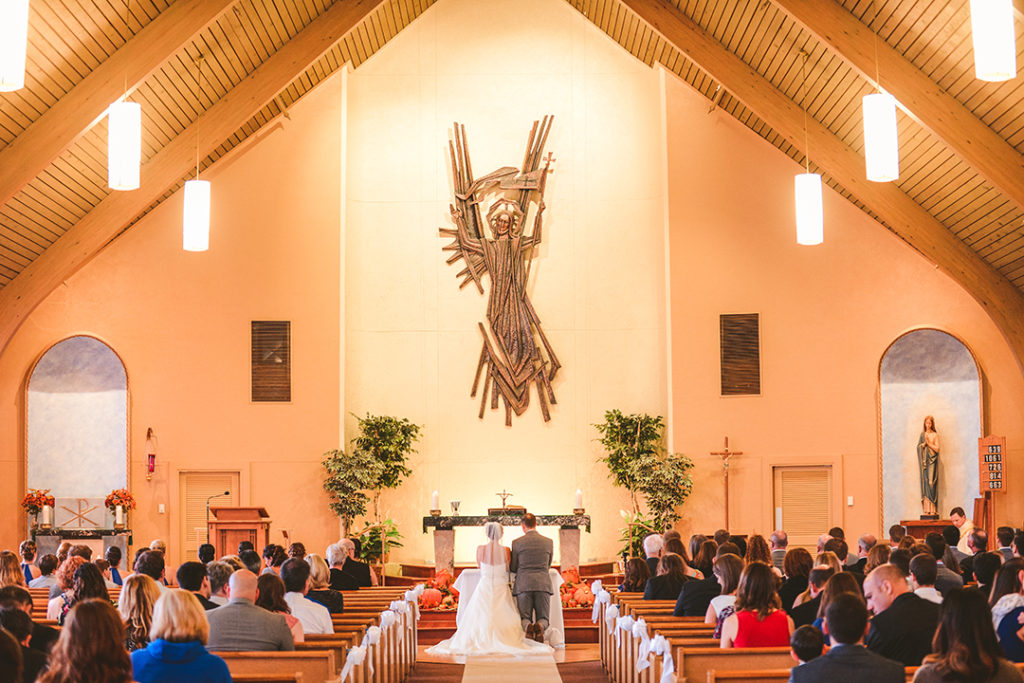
{"x": 555, "y": 636}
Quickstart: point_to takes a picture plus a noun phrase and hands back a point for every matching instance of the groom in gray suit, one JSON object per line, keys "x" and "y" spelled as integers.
{"x": 531, "y": 559}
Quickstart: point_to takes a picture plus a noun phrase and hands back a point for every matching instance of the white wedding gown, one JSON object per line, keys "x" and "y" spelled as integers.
{"x": 490, "y": 621}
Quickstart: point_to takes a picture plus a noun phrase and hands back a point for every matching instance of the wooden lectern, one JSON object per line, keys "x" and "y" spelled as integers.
{"x": 231, "y": 526}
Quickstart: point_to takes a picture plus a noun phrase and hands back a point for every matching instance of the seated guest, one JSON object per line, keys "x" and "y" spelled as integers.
{"x": 47, "y": 566}
{"x": 806, "y": 643}
{"x": 704, "y": 558}
{"x": 722, "y": 536}
{"x": 151, "y": 563}
{"x": 877, "y": 556}
{"x": 251, "y": 560}
{"x": 297, "y": 550}
{"x": 270, "y": 597}
{"x": 900, "y": 559}
{"x": 843, "y": 582}
{"x": 12, "y": 667}
{"x": 27, "y": 550}
{"x": 837, "y": 533}
{"x": 904, "y": 624}
{"x": 236, "y": 563}
{"x": 740, "y": 542}
{"x": 104, "y": 568}
{"x": 273, "y": 557}
{"x": 796, "y": 567}
{"x": 636, "y": 575}
{"x": 90, "y": 648}
{"x": 965, "y": 646}
{"x": 88, "y": 583}
{"x": 219, "y": 573}
{"x": 695, "y": 597}
{"x": 19, "y": 625}
{"x": 864, "y": 545}
{"x": 1007, "y": 601}
{"x": 1004, "y": 535}
{"x": 207, "y": 553}
{"x": 241, "y": 625}
{"x": 923, "y": 570}
{"x": 945, "y": 578}
{"x": 758, "y": 551}
{"x": 193, "y": 577}
{"x": 841, "y": 550}
{"x": 896, "y": 534}
{"x": 779, "y": 542}
{"x": 82, "y": 551}
{"x": 675, "y": 545}
{"x": 1018, "y": 544}
{"x": 829, "y": 559}
{"x": 16, "y": 597}
{"x": 341, "y": 580}
{"x": 952, "y": 555}
{"x": 694, "y": 547}
{"x": 807, "y": 611}
{"x": 10, "y": 570}
{"x": 759, "y": 620}
{"x": 62, "y": 552}
{"x": 314, "y": 617}
{"x": 320, "y": 585}
{"x": 653, "y": 545}
{"x": 176, "y": 649}
{"x": 728, "y": 569}
{"x": 985, "y": 567}
{"x": 846, "y": 620}
{"x": 977, "y": 543}
{"x": 65, "y": 580}
{"x": 243, "y": 546}
{"x": 667, "y": 584}
{"x": 358, "y": 570}
{"x": 135, "y": 605}
{"x": 113, "y": 556}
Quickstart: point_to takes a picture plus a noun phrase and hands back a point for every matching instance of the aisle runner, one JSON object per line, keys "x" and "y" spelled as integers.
{"x": 527, "y": 670}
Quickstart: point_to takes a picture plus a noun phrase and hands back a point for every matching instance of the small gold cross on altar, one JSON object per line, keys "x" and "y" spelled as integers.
{"x": 504, "y": 495}
{"x": 725, "y": 455}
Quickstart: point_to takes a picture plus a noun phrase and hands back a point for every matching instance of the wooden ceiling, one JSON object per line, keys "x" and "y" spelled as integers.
{"x": 959, "y": 199}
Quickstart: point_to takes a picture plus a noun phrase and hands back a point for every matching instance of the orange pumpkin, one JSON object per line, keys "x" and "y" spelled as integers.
{"x": 430, "y": 598}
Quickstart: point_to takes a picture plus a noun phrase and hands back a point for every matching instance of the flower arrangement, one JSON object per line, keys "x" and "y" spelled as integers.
{"x": 574, "y": 591}
{"x": 35, "y": 499}
{"x": 440, "y": 594}
{"x": 120, "y": 497}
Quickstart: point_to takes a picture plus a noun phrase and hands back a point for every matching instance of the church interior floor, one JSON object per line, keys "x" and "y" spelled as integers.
{"x": 577, "y": 663}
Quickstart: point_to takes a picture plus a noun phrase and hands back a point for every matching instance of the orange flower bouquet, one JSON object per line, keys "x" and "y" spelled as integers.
{"x": 120, "y": 497}
{"x": 35, "y": 499}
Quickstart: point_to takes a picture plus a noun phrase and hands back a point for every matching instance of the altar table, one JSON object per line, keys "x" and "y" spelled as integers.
{"x": 555, "y": 635}
{"x": 444, "y": 534}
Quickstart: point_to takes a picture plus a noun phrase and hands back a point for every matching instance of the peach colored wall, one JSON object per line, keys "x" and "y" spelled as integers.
{"x": 828, "y": 313}
{"x": 180, "y": 322}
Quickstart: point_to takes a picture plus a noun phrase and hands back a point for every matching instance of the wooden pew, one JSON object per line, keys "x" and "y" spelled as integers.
{"x": 316, "y": 666}
{"x": 693, "y": 663}
{"x": 268, "y": 678}
{"x": 753, "y": 676}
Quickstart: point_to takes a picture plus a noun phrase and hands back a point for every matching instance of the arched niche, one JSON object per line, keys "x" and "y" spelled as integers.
{"x": 928, "y": 372}
{"x": 77, "y": 412}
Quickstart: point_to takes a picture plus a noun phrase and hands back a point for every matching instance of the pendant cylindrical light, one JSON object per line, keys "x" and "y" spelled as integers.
{"x": 124, "y": 145}
{"x": 13, "y": 42}
{"x": 195, "y": 235}
{"x": 810, "y": 219}
{"x": 992, "y": 31}
{"x": 881, "y": 143}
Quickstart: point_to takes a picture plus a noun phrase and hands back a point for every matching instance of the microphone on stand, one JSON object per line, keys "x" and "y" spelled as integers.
{"x": 216, "y": 495}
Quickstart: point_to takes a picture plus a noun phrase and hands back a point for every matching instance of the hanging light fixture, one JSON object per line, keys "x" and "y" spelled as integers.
{"x": 195, "y": 233}
{"x": 810, "y": 218}
{"x": 992, "y": 31}
{"x": 13, "y": 43}
{"x": 124, "y": 145}
{"x": 881, "y": 138}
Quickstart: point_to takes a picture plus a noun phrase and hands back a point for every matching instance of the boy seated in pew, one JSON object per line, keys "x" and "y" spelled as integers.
{"x": 806, "y": 644}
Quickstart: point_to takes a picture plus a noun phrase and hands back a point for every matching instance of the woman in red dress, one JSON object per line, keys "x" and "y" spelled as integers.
{"x": 759, "y": 620}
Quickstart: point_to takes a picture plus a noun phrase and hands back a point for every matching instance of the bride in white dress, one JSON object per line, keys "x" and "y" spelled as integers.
{"x": 489, "y": 622}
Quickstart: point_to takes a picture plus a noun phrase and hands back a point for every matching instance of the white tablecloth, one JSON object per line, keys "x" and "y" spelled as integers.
{"x": 555, "y": 635}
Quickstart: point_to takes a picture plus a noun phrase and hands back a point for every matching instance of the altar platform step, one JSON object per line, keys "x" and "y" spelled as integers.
{"x": 588, "y": 571}
{"x": 436, "y": 625}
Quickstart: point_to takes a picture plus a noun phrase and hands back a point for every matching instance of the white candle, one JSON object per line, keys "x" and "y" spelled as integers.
{"x": 47, "y": 515}
{"x": 119, "y": 514}
{"x": 434, "y": 501}
{"x": 579, "y": 498}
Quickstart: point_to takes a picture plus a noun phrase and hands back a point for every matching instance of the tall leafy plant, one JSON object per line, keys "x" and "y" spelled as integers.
{"x": 637, "y": 460}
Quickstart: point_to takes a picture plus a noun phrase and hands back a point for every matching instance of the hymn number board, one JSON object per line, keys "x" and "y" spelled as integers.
{"x": 992, "y": 463}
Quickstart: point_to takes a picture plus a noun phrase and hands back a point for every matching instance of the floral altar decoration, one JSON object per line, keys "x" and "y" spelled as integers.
{"x": 575, "y": 592}
{"x": 440, "y": 594}
{"x": 35, "y": 499}
{"x": 120, "y": 497}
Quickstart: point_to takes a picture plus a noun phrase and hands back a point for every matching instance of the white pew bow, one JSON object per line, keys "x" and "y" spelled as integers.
{"x": 610, "y": 615}
{"x": 597, "y": 586}
{"x": 355, "y": 657}
{"x": 370, "y": 638}
{"x": 601, "y": 597}
{"x": 624, "y": 624}
{"x": 412, "y": 599}
{"x": 640, "y": 631}
{"x": 660, "y": 646}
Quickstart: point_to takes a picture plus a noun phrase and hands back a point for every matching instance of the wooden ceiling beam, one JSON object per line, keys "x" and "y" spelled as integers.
{"x": 83, "y": 106}
{"x": 927, "y": 103}
{"x": 1001, "y": 300}
{"x": 168, "y": 166}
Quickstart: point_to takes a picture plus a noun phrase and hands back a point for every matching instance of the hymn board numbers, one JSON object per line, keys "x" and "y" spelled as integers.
{"x": 991, "y": 463}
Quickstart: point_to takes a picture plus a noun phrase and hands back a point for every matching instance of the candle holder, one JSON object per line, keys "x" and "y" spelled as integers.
{"x": 435, "y": 513}
{"x": 579, "y": 511}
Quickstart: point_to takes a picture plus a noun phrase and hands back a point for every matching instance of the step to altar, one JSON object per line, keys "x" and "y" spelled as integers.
{"x": 588, "y": 571}
{"x": 436, "y": 625}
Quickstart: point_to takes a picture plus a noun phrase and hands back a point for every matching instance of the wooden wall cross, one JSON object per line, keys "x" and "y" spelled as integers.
{"x": 725, "y": 455}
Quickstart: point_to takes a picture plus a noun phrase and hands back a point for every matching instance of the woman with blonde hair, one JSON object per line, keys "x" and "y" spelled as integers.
{"x": 10, "y": 570}
{"x": 177, "y": 651}
{"x": 138, "y": 597}
{"x": 320, "y": 585}
{"x": 90, "y": 648}
{"x": 877, "y": 556}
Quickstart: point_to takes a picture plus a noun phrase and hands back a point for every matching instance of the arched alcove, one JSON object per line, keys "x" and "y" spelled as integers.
{"x": 78, "y": 420}
{"x": 928, "y": 372}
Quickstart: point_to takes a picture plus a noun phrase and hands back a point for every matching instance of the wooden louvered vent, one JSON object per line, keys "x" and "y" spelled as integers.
{"x": 271, "y": 361}
{"x": 195, "y": 488}
{"x": 804, "y": 495}
{"x": 741, "y": 354}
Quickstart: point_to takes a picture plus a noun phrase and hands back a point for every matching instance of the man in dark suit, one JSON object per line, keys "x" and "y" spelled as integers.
{"x": 1004, "y": 535}
{"x": 530, "y": 562}
{"x": 696, "y": 595}
{"x": 977, "y": 543}
{"x": 808, "y": 612}
{"x": 241, "y": 626}
{"x": 19, "y": 625}
{"x": 337, "y": 558}
{"x": 360, "y": 571}
{"x": 945, "y": 578}
{"x": 16, "y": 597}
{"x": 904, "y": 623}
{"x": 653, "y": 546}
{"x": 192, "y": 576}
{"x": 846, "y": 620}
